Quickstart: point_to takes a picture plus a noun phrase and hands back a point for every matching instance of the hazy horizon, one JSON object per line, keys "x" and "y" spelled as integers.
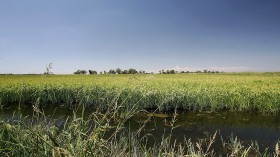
{"x": 230, "y": 36}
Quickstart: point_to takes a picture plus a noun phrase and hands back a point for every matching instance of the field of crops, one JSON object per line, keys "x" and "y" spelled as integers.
{"x": 122, "y": 97}
{"x": 195, "y": 92}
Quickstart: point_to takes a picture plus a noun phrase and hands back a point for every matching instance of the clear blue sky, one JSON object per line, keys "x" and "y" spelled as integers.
{"x": 228, "y": 35}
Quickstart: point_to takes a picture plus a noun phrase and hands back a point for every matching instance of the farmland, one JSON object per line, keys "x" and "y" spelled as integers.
{"x": 108, "y": 115}
{"x": 192, "y": 92}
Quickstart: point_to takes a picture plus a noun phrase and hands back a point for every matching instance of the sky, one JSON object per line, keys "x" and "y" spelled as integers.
{"x": 225, "y": 35}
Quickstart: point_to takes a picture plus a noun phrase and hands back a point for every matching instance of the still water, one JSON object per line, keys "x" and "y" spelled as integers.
{"x": 265, "y": 129}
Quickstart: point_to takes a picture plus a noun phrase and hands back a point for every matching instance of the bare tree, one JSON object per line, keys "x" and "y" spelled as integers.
{"x": 48, "y": 69}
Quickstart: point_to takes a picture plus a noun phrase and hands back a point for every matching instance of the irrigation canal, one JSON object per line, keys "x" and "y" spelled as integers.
{"x": 265, "y": 129}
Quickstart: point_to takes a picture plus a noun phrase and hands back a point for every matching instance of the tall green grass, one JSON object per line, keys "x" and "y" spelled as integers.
{"x": 195, "y": 92}
{"x": 104, "y": 134}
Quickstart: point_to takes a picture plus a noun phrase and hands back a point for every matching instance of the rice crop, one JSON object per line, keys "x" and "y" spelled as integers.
{"x": 193, "y": 92}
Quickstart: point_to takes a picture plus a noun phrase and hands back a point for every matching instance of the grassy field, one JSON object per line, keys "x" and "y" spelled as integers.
{"x": 122, "y": 97}
{"x": 194, "y": 92}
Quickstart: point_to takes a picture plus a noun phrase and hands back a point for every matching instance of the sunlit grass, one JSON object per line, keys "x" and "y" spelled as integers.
{"x": 195, "y": 92}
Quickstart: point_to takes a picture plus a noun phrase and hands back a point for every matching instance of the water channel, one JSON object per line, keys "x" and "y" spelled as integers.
{"x": 265, "y": 129}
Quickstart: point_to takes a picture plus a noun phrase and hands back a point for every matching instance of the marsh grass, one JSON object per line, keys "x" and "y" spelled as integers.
{"x": 105, "y": 134}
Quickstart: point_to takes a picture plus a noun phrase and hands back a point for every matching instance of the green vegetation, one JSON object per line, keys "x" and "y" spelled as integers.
{"x": 116, "y": 99}
{"x": 194, "y": 92}
{"x": 111, "y": 71}
{"x": 80, "y": 72}
{"x": 105, "y": 134}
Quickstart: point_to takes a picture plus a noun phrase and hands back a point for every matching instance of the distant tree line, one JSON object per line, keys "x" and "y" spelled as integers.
{"x": 168, "y": 72}
{"x": 80, "y": 72}
{"x": 92, "y": 72}
{"x": 134, "y": 71}
{"x": 112, "y": 71}
{"x": 182, "y": 72}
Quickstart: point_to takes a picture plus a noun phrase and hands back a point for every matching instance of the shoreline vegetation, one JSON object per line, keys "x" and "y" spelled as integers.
{"x": 107, "y": 134}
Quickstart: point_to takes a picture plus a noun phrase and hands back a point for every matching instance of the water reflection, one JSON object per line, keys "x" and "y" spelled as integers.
{"x": 247, "y": 127}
